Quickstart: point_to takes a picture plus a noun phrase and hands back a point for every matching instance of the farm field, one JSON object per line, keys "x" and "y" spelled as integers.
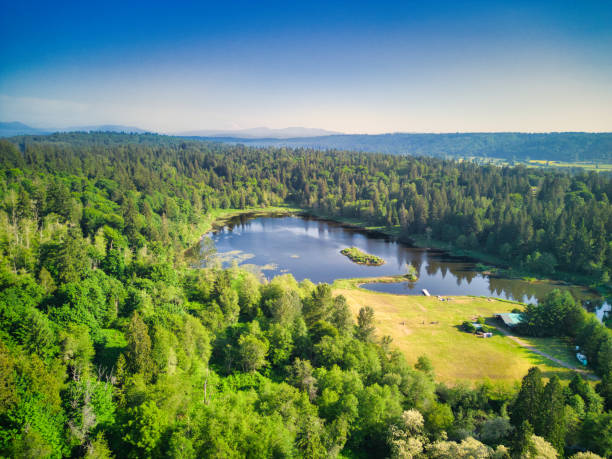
{"x": 587, "y": 165}
{"x": 427, "y": 326}
{"x": 597, "y": 166}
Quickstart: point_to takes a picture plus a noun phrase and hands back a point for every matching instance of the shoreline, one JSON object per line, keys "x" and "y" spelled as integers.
{"x": 358, "y": 282}
{"x": 501, "y": 270}
{"x": 218, "y": 218}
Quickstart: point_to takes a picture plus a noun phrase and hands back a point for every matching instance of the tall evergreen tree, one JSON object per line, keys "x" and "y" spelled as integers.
{"x": 526, "y": 407}
{"x": 551, "y": 423}
{"x": 138, "y": 354}
{"x": 365, "y": 324}
{"x": 522, "y": 445}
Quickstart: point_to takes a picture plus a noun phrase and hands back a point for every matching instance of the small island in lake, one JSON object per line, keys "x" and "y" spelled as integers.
{"x": 362, "y": 258}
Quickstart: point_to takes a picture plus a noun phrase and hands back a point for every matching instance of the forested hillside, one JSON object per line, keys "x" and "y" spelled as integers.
{"x": 556, "y": 146}
{"x": 112, "y": 344}
{"x": 539, "y": 220}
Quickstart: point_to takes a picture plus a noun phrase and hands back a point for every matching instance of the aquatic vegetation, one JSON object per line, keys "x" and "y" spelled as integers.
{"x": 362, "y": 258}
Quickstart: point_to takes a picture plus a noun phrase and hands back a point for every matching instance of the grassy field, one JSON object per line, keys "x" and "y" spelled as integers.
{"x": 598, "y": 166}
{"x": 427, "y": 326}
{"x": 558, "y": 348}
{"x": 587, "y": 165}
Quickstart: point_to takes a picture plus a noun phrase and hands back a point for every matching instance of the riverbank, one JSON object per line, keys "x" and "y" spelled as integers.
{"x": 422, "y": 325}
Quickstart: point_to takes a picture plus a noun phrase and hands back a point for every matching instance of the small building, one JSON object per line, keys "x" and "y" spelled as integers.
{"x": 425, "y": 292}
{"x": 510, "y": 319}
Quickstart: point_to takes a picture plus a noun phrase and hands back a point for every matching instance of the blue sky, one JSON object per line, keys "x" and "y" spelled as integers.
{"x": 348, "y": 66}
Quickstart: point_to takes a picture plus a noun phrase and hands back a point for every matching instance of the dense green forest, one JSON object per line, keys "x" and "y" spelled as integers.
{"x": 509, "y": 146}
{"x": 558, "y": 146}
{"x": 113, "y": 344}
{"x": 542, "y": 221}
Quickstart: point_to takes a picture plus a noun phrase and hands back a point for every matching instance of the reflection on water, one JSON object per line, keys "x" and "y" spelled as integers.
{"x": 310, "y": 249}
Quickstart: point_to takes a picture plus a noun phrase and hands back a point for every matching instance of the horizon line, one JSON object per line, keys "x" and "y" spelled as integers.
{"x": 183, "y": 133}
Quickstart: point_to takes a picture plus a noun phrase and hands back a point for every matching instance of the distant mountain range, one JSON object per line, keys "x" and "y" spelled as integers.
{"x": 555, "y": 146}
{"x": 12, "y": 128}
{"x": 8, "y": 129}
{"x": 104, "y": 128}
{"x": 261, "y": 133}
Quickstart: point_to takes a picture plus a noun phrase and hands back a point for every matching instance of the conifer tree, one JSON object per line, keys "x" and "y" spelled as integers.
{"x": 552, "y": 423}
{"x": 365, "y": 324}
{"x": 522, "y": 446}
{"x": 527, "y": 404}
{"x": 138, "y": 354}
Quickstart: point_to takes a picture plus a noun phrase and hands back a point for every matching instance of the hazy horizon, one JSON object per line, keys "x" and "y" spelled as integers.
{"x": 218, "y": 132}
{"x": 347, "y": 67}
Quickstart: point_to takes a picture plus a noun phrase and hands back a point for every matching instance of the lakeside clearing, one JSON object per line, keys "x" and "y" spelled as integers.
{"x": 427, "y": 326}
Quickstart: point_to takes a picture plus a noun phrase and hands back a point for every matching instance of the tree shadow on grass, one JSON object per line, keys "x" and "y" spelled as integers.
{"x": 565, "y": 374}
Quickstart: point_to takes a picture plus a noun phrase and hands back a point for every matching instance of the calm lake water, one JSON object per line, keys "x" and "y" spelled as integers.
{"x": 309, "y": 248}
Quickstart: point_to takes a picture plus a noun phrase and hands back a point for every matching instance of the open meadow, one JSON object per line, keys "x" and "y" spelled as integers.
{"x": 422, "y": 325}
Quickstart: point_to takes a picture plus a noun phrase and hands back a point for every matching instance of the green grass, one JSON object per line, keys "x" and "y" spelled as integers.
{"x": 558, "y": 348}
{"x": 427, "y": 326}
{"x": 362, "y": 258}
{"x": 586, "y": 165}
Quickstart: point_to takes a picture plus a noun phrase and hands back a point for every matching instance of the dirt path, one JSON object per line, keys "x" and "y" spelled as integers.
{"x": 522, "y": 343}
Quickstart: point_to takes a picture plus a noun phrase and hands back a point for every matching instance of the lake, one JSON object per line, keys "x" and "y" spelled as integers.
{"x": 309, "y": 248}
